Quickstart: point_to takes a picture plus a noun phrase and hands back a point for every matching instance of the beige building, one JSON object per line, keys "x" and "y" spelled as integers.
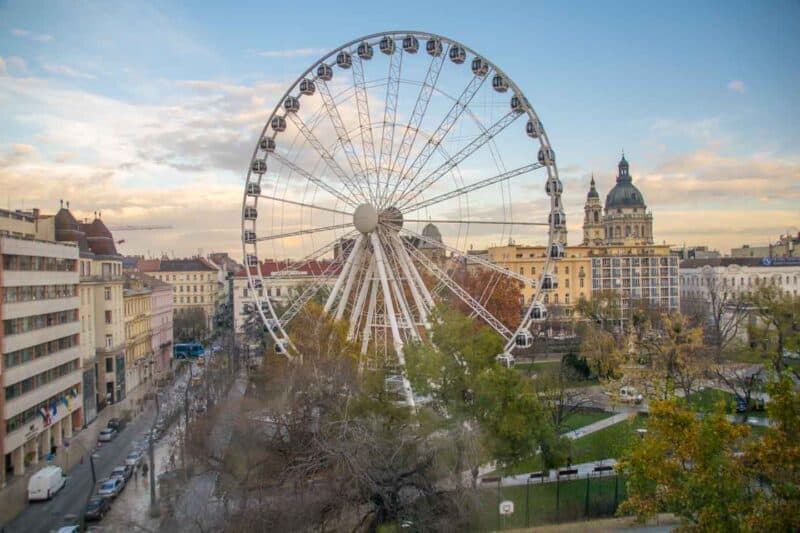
{"x": 139, "y": 357}
{"x": 102, "y": 314}
{"x": 617, "y": 254}
{"x": 195, "y": 283}
{"x": 40, "y": 363}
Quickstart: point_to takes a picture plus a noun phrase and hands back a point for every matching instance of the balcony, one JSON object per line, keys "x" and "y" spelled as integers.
{"x": 17, "y": 373}
{"x": 39, "y": 307}
{"x": 12, "y": 343}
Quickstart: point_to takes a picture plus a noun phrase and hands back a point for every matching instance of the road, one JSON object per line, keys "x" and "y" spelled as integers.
{"x": 42, "y": 517}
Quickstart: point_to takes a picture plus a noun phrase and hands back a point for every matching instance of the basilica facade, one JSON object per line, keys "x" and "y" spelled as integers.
{"x": 624, "y": 220}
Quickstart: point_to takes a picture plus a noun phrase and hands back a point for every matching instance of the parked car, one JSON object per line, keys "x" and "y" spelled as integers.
{"x": 110, "y": 488}
{"x": 117, "y": 423}
{"x": 97, "y": 508}
{"x": 107, "y": 435}
{"x": 741, "y": 406}
{"x": 630, "y": 394}
{"x": 125, "y": 472}
{"x": 134, "y": 458}
{"x": 45, "y": 483}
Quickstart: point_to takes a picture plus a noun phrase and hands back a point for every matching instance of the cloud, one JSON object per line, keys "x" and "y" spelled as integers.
{"x": 64, "y": 70}
{"x": 2, "y": 65}
{"x": 295, "y": 52}
{"x": 41, "y": 37}
{"x": 15, "y": 63}
{"x": 737, "y": 86}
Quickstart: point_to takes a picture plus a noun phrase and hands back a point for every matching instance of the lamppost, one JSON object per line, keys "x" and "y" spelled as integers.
{"x": 92, "y": 457}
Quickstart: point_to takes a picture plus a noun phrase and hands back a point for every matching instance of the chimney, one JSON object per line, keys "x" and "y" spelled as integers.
{"x": 61, "y": 202}
{"x": 67, "y": 204}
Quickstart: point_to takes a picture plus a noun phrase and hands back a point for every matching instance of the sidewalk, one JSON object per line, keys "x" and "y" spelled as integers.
{"x": 582, "y": 471}
{"x": 14, "y": 495}
{"x": 597, "y": 426}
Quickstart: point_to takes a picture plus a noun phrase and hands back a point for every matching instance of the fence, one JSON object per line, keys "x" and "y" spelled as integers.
{"x": 537, "y": 503}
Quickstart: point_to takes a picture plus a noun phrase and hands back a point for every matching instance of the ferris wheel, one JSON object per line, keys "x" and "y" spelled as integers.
{"x": 379, "y": 172}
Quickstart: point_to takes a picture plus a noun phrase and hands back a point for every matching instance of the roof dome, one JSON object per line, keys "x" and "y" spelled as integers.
{"x": 431, "y": 232}
{"x": 65, "y": 221}
{"x": 624, "y": 194}
{"x": 101, "y": 242}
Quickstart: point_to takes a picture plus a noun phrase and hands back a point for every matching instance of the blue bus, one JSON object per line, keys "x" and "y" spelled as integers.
{"x": 189, "y": 350}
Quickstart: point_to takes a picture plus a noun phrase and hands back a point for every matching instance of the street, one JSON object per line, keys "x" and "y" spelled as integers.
{"x": 71, "y": 500}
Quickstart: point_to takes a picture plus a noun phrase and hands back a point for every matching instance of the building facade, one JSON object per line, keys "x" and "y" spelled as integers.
{"x": 741, "y": 275}
{"x": 102, "y": 310}
{"x": 161, "y": 326}
{"x": 785, "y": 246}
{"x": 40, "y": 367}
{"x": 139, "y": 355}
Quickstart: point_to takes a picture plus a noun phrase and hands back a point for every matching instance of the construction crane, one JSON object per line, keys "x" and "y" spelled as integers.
{"x": 136, "y": 228}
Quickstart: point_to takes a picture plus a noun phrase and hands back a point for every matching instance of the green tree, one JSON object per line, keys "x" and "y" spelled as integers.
{"x": 601, "y": 351}
{"x": 777, "y": 316}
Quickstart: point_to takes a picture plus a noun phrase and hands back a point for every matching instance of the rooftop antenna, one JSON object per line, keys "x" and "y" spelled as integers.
{"x": 61, "y": 202}
{"x": 67, "y": 204}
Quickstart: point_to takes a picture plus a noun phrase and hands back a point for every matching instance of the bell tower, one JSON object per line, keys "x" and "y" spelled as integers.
{"x": 593, "y": 218}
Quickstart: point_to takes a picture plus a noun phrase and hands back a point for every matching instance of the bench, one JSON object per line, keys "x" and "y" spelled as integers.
{"x": 568, "y": 472}
{"x": 490, "y": 479}
{"x": 536, "y": 475}
{"x": 603, "y": 468}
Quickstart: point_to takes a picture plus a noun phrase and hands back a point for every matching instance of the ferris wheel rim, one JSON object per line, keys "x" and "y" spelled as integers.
{"x": 543, "y": 139}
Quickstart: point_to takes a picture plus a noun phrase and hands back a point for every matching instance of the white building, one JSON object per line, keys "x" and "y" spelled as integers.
{"x": 281, "y": 285}
{"x": 737, "y": 274}
{"x": 40, "y": 345}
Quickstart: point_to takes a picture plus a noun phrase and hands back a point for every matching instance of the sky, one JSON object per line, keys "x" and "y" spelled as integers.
{"x": 149, "y": 112}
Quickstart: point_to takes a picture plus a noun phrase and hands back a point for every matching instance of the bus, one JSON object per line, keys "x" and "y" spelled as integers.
{"x": 189, "y": 350}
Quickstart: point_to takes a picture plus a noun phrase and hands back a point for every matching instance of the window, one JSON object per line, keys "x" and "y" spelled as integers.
{"x": 108, "y": 317}
{"x": 581, "y": 283}
{"x": 566, "y": 299}
{"x": 109, "y": 364}
{"x": 107, "y": 292}
{"x": 109, "y": 341}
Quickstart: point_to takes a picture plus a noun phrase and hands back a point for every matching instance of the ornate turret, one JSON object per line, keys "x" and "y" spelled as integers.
{"x": 593, "y": 217}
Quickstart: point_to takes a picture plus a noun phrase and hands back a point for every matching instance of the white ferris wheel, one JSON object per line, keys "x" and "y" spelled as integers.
{"x": 377, "y": 139}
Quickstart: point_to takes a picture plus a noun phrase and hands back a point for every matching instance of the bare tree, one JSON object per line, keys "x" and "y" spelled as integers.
{"x": 560, "y": 400}
{"x": 741, "y": 380}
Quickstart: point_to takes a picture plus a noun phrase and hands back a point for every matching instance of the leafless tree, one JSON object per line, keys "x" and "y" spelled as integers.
{"x": 559, "y": 399}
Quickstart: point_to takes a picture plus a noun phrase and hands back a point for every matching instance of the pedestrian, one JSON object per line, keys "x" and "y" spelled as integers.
{"x": 144, "y": 469}
{"x": 569, "y": 461}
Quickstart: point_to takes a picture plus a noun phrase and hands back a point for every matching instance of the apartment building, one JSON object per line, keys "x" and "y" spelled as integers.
{"x": 101, "y": 309}
{"x": 139, "y": 356}
{"x": 40, "y": 367}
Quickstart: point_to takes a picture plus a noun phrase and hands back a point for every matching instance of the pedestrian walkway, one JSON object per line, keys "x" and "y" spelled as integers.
{"x": 14, "y": 495}
{"x": 597, "y": 426}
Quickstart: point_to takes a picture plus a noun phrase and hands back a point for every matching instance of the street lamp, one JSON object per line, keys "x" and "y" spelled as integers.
{"x": 92, "y": 457}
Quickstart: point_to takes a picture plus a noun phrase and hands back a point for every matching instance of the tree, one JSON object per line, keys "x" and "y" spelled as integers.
{"x": 778, "y": 317}
{"x": 499, "y": 294}
{"x": 190, "y": 324}
{"x": 721, "y": 311}
{"x": 559, "y": 400}
{"x": 603, "y": 309}
{"x": 705, "y": 470}
{"x": 741, "y": 380}
{"x": 677, "y": 354}
{"x": 601, "y": 351}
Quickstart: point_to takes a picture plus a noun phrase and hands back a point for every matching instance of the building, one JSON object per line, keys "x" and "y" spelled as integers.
{"x": 139, "y": 355}
{"x": 625, "y": 219}
{"x": 195, "y": 284}
{"x": 617, "y": 254}
{"x": 161, "y": 313}
{"x": 40, "y": 367}
{"x": 694, "y": 252}
{"x": 280, "y": 284}
{"x": 742, "y": 275}
{"x": 786, "y": 246}
{"x": 101, "y": 309}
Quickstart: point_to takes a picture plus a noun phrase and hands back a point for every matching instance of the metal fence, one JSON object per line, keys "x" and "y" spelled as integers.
{"x": 537, "y": 503}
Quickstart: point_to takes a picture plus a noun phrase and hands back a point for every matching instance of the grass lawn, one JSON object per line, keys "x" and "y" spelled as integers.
{"x": 745, "y": 355}
{"x": 584, "y": 417}
{"x": 540, "y": 504}
{"x": 607, "y": 443}
{"x": 706, "y": 400}
{"x": 547, "y": 369}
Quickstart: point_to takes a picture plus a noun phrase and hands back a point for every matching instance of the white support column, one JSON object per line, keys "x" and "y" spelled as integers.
{"x": 415, "y": 273}
{"x": 412, "y": 283}
{"x": 373, "y": 301}
{"x": 355, "y": 313}
{"x": 348, "y": 264}
{"x": 348, "y": 287}
{"x": 389, "y": 309}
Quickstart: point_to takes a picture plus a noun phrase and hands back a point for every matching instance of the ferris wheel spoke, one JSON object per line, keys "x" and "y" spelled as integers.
{"x": 476, "y": 222}
{"x": 472, "y": 187}
{"x": 352, "y": 257}
{"x": 296, "y": 265}
{"x": 364, "y": 120}
{"x": 410, "y": 174}
{"x": 335, "y": 116}
{"x": 352, "y": 186}
{"x": 396, "y": 248}
{"x": 409, "y": 193}
{"x": 420, "y": 108}
{"x": 302, "y": 204}
{"x": 308, "y": 293}
{"x": 389, "y": 117}
{"x": 349, "y": 199}
{"x": 460, "y": 293}
{"x": 471, "y": 258}
{"x": 303, "y": 232}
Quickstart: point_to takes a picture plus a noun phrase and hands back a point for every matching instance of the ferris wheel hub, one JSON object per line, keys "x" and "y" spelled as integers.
{"x": 365, "y": 218}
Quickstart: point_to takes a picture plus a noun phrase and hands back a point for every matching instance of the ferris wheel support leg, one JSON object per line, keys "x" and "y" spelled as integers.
{"x": 368, "y": 323}
{"x": 348, "y": 287}
{"x": 425, "y": 293}
{"x": 412, "y": 283}
{"x": 390, "y": 312}
{"x": 360, "y": 299}
{"x": 348, "y": 264}
{"x": 404, "y": 308}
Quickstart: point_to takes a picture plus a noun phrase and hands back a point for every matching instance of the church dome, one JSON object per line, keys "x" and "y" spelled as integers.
{"x": 624, "y": 194}
{"x": 431, "y": 232}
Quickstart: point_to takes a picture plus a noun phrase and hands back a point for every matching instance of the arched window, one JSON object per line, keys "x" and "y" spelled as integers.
{"x": 627, "y": 231}
{"x": 596, "y": 217}
{"x": 617, "y": 232}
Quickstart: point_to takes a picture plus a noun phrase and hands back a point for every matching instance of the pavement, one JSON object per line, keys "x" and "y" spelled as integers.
{"x": 583, "y": 470}
{"x": 197, "y": 509}
{"x": 35, "y": 517}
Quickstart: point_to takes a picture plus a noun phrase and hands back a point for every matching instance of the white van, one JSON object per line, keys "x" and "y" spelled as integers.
{"x": 45, "y": 483}
{"x": 630, "y": 394}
